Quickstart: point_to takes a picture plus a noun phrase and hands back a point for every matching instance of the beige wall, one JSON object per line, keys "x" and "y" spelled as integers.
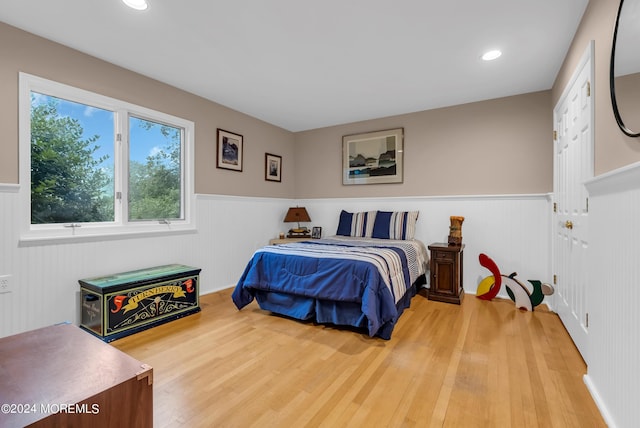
{"x": 613, "y": 149}
{"x": 500, "y": 146}
{"x": 21, "y": 51}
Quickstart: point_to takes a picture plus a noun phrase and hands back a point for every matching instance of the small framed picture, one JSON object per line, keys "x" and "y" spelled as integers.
{"x": 272, "y": 167}
{"x": 316, "y": 232}
{"x": 229, "y": 150}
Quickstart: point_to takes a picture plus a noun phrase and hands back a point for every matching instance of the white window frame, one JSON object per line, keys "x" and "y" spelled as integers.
{"x": 120, "y": 227}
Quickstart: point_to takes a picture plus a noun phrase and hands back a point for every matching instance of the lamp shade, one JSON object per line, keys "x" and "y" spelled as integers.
{"x": 297, "y": 214}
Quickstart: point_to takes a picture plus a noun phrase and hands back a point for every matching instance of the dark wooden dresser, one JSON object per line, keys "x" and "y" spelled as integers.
{"x": 61, "y": 376}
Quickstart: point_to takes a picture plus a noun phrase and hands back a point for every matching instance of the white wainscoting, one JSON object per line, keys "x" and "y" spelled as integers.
{"x": 614, "y": 295}
{"x": 45, "y": 277}
{"x": 513, "y": 230}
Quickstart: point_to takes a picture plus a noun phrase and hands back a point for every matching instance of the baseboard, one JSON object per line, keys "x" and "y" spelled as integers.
{"x": 216, "y": 289}
{"x": 599, "y": 403}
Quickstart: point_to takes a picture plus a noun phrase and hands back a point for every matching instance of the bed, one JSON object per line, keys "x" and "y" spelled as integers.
{"x": 364, "y": 277}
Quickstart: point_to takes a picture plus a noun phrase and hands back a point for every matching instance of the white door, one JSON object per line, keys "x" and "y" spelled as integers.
{"x": 573, "y": 164}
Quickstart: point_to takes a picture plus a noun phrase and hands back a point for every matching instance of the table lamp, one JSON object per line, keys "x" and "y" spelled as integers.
{"x": 296, "y": 215}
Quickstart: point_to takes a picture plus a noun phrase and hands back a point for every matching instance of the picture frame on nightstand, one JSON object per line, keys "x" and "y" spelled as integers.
{"x": 316, "y": 232}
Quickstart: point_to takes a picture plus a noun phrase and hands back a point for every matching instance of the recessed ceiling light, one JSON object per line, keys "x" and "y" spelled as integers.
{"x": 491, "y": 55}
{"x": 136, "y": 4}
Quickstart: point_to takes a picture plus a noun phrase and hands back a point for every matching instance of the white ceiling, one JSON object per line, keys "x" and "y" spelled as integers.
{"x": 303, "y": 65}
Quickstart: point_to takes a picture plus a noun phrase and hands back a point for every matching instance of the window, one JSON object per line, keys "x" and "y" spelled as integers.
{"x": 93, "y": 165}
{"x": 154, "y": 170}
{"x": 72, "y": 169}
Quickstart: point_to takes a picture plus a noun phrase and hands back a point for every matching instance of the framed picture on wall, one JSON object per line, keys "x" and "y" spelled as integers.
{"x": 229, "y": 150}
{"x": 272, "y": 167}
{"x": 373, "y": 158}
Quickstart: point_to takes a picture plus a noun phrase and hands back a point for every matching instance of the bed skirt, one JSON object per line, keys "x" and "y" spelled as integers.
{"x": 332, "y": 312}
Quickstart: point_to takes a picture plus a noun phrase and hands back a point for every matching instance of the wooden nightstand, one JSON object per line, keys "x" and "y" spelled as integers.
{"x": 446, "y": 273}
{"x": 276, "y": 241}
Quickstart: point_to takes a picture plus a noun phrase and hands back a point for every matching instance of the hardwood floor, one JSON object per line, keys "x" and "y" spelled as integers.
{"x": 480, "y": 364}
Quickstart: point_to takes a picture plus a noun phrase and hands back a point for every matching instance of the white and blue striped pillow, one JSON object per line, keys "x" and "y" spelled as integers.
{"x": 395, "y": 224}
{"x": 356, "y": 224}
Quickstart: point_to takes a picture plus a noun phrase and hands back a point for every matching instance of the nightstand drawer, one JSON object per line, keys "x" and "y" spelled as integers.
{"x": 445, "y": 256}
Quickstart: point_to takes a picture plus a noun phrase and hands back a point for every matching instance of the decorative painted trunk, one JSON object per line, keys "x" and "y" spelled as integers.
{"x": 118, "y": 305}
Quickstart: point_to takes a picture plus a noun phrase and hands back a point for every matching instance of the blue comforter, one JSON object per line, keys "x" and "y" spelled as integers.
{"x": 364, "y": 283}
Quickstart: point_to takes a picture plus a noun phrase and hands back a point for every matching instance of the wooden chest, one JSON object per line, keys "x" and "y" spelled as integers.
{"x": 118, "y": 305}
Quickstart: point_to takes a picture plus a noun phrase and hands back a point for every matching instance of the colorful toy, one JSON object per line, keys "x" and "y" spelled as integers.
{"x": 525, "y": 297}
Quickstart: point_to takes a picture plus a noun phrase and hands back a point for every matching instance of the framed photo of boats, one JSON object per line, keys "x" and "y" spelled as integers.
{"x": 373, "y": 158}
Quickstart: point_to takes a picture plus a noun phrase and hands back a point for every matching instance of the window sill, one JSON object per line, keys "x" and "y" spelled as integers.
{"x": 31, "y": 239}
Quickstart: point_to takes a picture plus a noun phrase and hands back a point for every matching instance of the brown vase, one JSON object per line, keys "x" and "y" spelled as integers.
{"x": 455, "y": 230}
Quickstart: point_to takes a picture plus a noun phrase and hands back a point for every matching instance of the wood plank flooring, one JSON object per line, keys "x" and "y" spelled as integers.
{"x": 480, "y": 364}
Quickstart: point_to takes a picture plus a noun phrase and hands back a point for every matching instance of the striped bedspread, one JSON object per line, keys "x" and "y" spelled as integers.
{"x": 399, "y": 263}
{"x": 361, "y": 282}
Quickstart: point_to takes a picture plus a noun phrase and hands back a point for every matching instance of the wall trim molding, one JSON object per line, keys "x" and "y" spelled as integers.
{"x": 9, "y": 188}
{"x": 15, "y": 188}
{"x": 531, "y": 196}
{"x": 217, "y": 197}
{"x": 618, "y": 180}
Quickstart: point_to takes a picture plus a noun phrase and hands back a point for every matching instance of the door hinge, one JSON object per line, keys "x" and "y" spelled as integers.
{"x": 555, "y": 135}
{"x": 588, "y": 88}
{"x": 587, "y": 205}
{"x": 555, "y": 279}
{"x": 555, "y": 207}
{"x": 118, "y": 195}
{"x": 119, "y": 137}
{"x": 587, "y": 320}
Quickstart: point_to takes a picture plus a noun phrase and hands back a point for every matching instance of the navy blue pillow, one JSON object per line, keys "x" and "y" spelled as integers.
{"x": 382, "y": 224}
{"x": 344, "y": 225}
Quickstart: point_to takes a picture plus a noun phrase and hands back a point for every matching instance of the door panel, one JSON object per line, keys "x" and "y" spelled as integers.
{"x": 573, "y": 164}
